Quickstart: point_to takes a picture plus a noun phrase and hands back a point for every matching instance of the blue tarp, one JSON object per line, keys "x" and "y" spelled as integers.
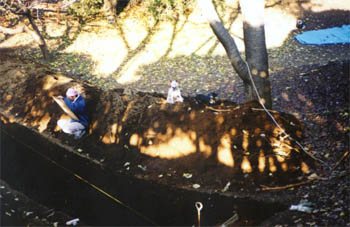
{"x": 334, "y": 35}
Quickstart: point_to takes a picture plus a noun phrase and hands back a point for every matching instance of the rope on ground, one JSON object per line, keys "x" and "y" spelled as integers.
{"x": 275, "y": 122}
{"x": 85, "y": 181}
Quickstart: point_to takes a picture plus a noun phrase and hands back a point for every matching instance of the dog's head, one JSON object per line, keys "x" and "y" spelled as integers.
{"x": 212, "y": 97}
{"x": 174, "y": 84}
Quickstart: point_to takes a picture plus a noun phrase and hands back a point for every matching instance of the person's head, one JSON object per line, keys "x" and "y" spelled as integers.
{"x": 71, "y": 94}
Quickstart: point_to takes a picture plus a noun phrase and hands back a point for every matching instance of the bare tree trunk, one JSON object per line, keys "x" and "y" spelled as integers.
{"x": 256, "y": 54}
{"x": 39, "y": 38}
{"x": 255, "y": 49}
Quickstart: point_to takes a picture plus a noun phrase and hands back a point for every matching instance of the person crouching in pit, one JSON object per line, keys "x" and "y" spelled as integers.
{"x": 76, "y": 103}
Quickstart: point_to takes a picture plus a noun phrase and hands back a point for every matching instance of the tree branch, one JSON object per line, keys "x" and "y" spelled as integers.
{"x": 225, "y": 38}
{"x": 338, "y": 163}
{"x": 50, "y": 10}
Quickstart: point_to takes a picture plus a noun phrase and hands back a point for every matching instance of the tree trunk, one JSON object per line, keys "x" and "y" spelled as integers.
{"x": 255, "y": 49}
{"x": 254, "y": 39}
{"x": 38, "y": 37}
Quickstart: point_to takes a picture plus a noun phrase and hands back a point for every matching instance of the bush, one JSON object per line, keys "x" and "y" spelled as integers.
{"x": 86, "y": 9}
{"x": 167, "y": 9}
{"x": 159, "y": 9}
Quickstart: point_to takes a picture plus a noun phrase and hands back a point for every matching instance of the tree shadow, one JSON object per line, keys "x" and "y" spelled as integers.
{"x": 152, "y": 31}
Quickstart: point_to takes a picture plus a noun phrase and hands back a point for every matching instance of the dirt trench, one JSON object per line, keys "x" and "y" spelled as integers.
{"x": 222, "y": 149}
{"x": 80, "y": 188}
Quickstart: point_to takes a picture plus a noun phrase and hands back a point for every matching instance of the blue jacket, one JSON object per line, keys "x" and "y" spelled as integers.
{"x": 78, "y": 108}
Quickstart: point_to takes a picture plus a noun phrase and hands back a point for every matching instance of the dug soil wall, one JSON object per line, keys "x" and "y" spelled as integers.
{"x": 227, "y": 149}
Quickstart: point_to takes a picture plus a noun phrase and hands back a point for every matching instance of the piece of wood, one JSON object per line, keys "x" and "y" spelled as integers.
{"x": 266, "y": 188}
{"x": 65, "y": 108}
{"x": 221, "y": 110}
{"x": 260, "y": 109}
{"x": 338, "y": 163}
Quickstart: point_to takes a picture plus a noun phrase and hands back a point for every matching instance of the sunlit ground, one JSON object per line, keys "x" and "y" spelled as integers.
{"x": 111, "y": 48}
{"x": 122, "y": 49}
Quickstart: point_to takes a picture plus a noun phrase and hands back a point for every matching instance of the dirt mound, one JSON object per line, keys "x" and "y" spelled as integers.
{"x": 182, "y": 144}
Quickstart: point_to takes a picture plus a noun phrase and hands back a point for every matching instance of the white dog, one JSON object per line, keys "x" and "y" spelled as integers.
{"x": 174, "y": 94}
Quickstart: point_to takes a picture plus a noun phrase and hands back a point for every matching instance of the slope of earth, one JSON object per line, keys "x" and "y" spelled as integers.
{"x": 239, "y": 141}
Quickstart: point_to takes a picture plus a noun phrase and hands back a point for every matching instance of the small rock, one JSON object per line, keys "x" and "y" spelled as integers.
{"x": 187, "y": 175}
{"x": 29, "y": 213}
{"x": 196, "y": 186}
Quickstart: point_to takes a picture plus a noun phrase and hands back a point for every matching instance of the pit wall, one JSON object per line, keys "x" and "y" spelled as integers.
{"x": 29, "y": 114}
{"x": 145, "y": 203}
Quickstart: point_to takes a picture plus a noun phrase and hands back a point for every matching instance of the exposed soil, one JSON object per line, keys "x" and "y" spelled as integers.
{"x": 186, "y": 145}
{"x": 162, "y": 138}
{"x": 140, "y": 135}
